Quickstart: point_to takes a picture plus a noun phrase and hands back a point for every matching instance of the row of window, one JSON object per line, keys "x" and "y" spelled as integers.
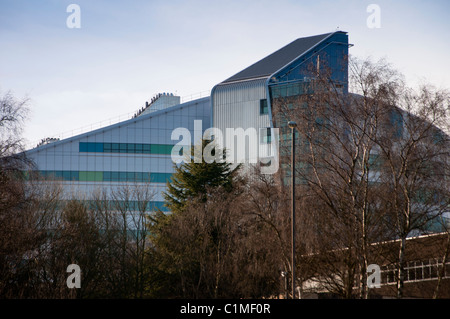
{"x": 292, "y": 89}
{"x": 106, "y": 176}
{"x": 164, "y": 149}
{"x": 416, "y": 271}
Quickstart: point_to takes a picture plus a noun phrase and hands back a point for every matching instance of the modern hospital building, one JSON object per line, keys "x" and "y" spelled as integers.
{"x": 139, "y": 150}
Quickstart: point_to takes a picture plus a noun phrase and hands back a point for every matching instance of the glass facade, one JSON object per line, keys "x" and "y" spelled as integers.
{"x": 132, "y": 148}
{"x": 137, "y": 150}
{"x": 291, "y": 89}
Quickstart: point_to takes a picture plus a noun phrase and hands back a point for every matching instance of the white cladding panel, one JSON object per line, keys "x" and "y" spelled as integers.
{"x": 238, "y": 105}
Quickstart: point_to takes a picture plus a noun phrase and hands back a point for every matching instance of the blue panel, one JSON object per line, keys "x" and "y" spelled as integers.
{"x": 83, "y": 147}
{"x": 99, "y": 147}
{"x": 91, "y": 147}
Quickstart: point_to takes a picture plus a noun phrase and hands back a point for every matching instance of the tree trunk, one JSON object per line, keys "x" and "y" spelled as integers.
{"x": 401, "y": 268}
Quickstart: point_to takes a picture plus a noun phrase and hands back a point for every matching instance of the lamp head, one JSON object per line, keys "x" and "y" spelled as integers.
{"x": 292, "y": 124}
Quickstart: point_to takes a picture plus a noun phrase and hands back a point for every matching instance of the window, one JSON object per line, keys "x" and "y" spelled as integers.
{"x": 295, "y": 89}
{"x": 263, "y": 108}
{"x": 396, "y": 120}
{"x": 146, "y": 148}
{"x": 438, "y": 137}
{"x": 107, "y": 176}
{"x": 83, "y": 147}
{"x": 115, "y": 148}
{"x": 146, "y": 177}
{"x": 114, "y": 176}
{"x": 375, "y": 161}
{"x": 98, "y": 147}
{"x": 265, "y": 135}
{"x": 139, "y": 177}
{"x": 74, "y": 175}
{"x": 66, "y": 175}
{"x": 90, "y": 147}
{"x": 130, "y": 148}
{"x": 107, "y": 147}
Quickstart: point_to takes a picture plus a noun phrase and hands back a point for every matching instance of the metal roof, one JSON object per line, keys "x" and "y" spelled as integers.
{"x": 275, "y": 61}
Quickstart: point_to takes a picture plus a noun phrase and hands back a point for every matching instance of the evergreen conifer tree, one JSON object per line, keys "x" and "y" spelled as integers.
{"x": 193, "y": 178}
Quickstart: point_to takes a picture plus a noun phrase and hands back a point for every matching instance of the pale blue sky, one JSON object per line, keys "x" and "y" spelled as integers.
{"x": 127, "y": 51}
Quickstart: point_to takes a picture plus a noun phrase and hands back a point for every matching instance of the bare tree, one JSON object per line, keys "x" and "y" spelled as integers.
{"x": 365, "y": 156}
{"x": 121, "y": 216}
{"x": 416, "y": 168}
{"x": 268, "y": 206}
{"x": 17, "y": 220}
{"x": 13, "y": 113}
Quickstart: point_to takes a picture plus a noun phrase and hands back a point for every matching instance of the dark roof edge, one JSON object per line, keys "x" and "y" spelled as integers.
{"x": 259, "y": 78}
{"x": 270, "y": 75}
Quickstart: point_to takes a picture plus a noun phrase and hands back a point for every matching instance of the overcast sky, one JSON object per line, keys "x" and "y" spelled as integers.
{"x": 126, "y": 51}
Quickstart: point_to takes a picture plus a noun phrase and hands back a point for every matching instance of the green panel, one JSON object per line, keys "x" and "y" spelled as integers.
{"x": 168, "y": 149}
{"x": 99, "y": 176}
{"x": 154, "y": 149}
{"x": 164, "y": 149}
{"x": 82, "y": 175}
{"x": 91, "y": 176}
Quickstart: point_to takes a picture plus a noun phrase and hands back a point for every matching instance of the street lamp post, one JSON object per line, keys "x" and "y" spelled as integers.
{"x": 286, "y": 291}
{"x": 293, "y": 125}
